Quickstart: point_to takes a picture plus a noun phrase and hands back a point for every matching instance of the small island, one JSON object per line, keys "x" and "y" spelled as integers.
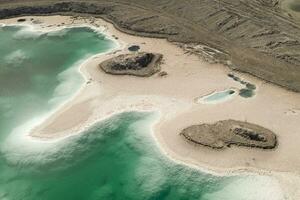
{"x": 136, "y": 64}
{"x": 230, "y": 132}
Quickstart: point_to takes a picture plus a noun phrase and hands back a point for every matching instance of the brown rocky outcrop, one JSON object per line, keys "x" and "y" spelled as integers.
{"x": 137, "y": 64}
{"x": 230, "y": 132}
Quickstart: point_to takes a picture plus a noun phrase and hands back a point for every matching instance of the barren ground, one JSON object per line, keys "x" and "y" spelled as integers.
{"x": 253, "y": 36}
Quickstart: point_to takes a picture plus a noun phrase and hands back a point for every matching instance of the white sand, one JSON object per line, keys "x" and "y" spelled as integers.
{"x": 174, "y": 96}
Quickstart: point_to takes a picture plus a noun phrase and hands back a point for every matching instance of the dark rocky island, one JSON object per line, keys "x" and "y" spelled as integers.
{"x": 138, "y": 64}
{"x": 230, "y": 132}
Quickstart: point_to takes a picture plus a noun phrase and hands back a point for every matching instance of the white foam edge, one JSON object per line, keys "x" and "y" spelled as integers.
{"x": 280, "y": 177}
{"x": 43, "y": 30}
{"x": 120, "y": 45}
{"x": 28, "y": 126}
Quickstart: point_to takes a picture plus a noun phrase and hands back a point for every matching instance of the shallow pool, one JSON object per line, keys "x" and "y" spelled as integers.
{"x": 217, "y": 96}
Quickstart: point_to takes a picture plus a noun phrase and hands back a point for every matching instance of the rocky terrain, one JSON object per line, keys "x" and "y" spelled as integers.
{"x": 138, "y": 64}
{"x": 292, "y": 8}
{"x": 230, "y": 132}
{"x": 258, "y": 37}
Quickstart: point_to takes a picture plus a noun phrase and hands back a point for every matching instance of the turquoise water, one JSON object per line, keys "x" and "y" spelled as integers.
{"x": 116, "y": 159}
{"x": 218, "y": 96}
{"x": 35, "y": 69}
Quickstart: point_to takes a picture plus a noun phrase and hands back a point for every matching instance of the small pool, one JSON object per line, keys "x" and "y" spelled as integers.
{"x": 249, "y": 89}
{"x": 246, "y": 93}
{"x": 217, "y": 96}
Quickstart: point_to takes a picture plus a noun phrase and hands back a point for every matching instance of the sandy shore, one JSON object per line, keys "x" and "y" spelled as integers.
{"x": 174, "y": 97}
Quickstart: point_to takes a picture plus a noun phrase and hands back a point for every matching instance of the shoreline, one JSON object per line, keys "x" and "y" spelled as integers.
{"x": 79, "y": 65}
{"x": 173, "y": 106}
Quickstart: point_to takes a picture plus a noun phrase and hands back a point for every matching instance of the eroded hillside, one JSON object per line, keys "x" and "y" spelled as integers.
{"x": 253, "y": 36}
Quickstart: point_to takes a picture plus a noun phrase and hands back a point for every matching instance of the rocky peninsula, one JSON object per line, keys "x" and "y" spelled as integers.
{"x": 138, "y": 64}
{"x": 230, "y": 132}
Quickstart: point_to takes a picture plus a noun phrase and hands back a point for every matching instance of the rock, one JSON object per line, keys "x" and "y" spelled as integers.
{"x": 250, "y": 86}
{"x": 115, "y": 37}
{"x": 163, "y": 73}
{"x": 236, "y": 79}
{"x": 249, "y": 134}
{"x": 243, "y": 82}
{"x": 21, "y": 20}
{"x": 231, "y": 75}
{"x": 231, "y": 91}
{"x": 139, "y": 64}
{"x": 230, "y": 132}
{"x": 134, "y": 48}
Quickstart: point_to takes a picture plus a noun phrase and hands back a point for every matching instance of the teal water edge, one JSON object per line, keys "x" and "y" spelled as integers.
{"x": 115, "y": 159}
{"x": 118, "y": 159}
{"x": 218, "y": 96}
{"x": 38, "y": 70}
